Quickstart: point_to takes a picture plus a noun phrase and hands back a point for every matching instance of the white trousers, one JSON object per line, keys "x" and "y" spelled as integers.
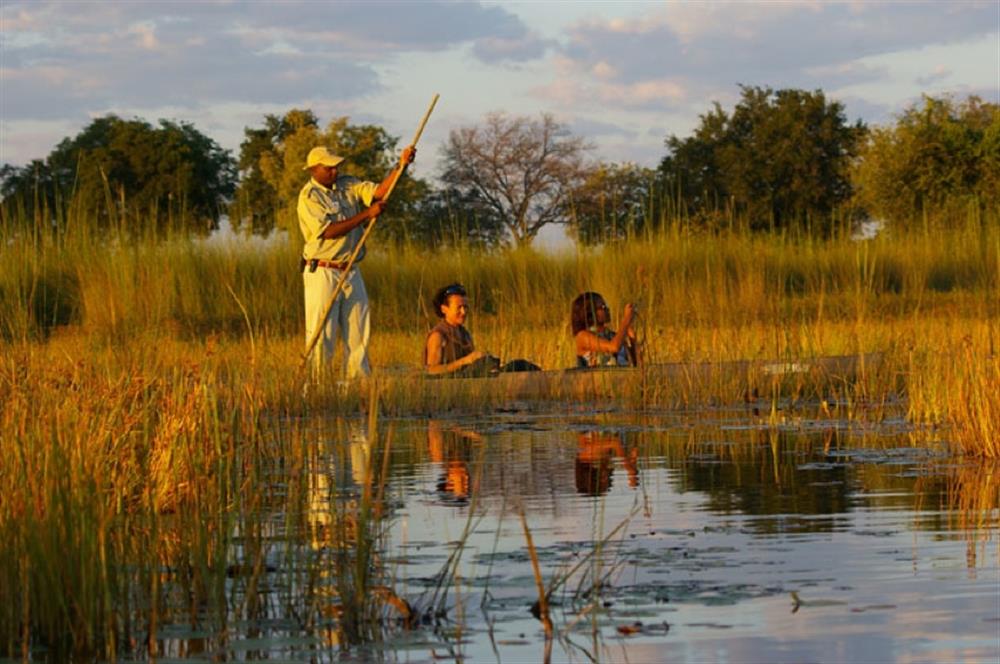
{"x": 350, "y": 314}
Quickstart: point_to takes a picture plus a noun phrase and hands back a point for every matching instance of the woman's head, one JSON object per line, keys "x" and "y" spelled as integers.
{"x": 450, "y": 304}
{"x": 589, "y": 309}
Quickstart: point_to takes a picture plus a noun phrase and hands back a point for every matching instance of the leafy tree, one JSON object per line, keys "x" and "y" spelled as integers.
{"x": 255, "y": 203}
{"x": 520, "y": 169}
{"x": 127, "y": 173}
{"x": 781, "y": 158}
{"x": 939, "y": 160}
{"x": 271, "y": 160}
{"x": 613, "y": 202}
{"x": 449, "y": 217}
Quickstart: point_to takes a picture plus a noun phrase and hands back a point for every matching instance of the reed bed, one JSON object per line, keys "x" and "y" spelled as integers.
{"x": 145, "y": 385}
{"x": 135, "y": 477}
{"x": 193, "y": 287}
{"x": 138, "y": 493}
{"x": 925, "y": 302}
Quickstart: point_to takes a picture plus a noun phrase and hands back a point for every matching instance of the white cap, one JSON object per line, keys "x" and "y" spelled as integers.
{"x": 322, "y": 156}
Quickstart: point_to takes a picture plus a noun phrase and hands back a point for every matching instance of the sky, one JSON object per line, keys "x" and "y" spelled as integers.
{"x": 624, "y": 75}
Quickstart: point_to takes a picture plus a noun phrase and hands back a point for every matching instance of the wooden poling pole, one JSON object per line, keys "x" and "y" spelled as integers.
{"x": 416, "y": 137}
{"x": 361, "y": 243}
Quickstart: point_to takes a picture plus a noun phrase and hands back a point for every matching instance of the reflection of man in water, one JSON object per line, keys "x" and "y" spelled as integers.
{"x": 361, "y": 454}
{"x": 325, "y": 477}
{"x": 452, "y": 449}
{"x": 332, "y": 517}
{"x": 595, "y": 462}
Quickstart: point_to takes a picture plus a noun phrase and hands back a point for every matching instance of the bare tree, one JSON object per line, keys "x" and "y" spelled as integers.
{"x": 520, "y": 168}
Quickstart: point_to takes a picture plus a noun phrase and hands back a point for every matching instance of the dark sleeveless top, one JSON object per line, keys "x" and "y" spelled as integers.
{"x": 456, "y": 342}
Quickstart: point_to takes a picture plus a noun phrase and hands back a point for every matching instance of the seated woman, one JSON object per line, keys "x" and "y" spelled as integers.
{"x": 597, "y": 345}
{"x": 449, "y": 348}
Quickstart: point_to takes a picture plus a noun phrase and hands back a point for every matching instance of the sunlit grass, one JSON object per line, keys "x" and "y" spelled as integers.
{"x": 701, "y": 299}
{"x": 144, "y": 387}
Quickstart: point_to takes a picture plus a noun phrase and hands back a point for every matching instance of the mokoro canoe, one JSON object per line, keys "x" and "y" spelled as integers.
{"x": 726, "y": 382}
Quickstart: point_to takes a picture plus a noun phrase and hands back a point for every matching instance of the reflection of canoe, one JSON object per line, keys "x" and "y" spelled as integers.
{"x": 674, "y": 382}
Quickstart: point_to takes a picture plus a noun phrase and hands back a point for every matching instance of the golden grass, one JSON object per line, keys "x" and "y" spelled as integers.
{"x": 131, "y": 460}
{"x": 954, "y": 381}
{"x": 127, "y": 477}
{"x": 144, "y": 387}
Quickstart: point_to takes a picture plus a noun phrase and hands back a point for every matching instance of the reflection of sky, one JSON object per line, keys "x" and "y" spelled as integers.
{"x": 877, "y": 583}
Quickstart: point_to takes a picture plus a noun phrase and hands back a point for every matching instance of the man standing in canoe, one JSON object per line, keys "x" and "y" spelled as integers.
{"x": 333, "y": 210}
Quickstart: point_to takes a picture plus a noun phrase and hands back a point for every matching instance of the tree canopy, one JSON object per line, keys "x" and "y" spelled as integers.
{"x": 519, "y": 169}
{"x": 271, "y": 160}
{"x": 614, "y": 201}
{"x": 126, "y": 173}
{"x": 939, "y": 160}
{"x": 781, "y": 158}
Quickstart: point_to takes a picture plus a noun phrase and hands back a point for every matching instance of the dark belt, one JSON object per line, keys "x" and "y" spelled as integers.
{"x": 315, "y": 263}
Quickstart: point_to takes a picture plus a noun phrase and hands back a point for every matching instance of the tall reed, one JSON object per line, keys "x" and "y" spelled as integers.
{"x": 137, "y": 494}
{"x": 680, "y": 277}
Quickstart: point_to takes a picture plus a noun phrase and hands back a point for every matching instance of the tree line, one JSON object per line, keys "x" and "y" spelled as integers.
{"x": 779, "y": 160}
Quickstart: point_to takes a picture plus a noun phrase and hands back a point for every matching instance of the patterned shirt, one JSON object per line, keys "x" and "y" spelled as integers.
{"x": 599, "y": 359}
{"x": 320, "y": 206}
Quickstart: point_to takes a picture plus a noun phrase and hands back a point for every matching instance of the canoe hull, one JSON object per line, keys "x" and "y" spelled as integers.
{"x": 670, "y": 383}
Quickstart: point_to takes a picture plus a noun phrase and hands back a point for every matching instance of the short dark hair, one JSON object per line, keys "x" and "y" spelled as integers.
{"x": 584, "y": 314}
{"x": 441, "y": 297}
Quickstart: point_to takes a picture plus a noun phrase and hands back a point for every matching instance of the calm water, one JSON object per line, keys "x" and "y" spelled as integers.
{"x": 710, "y": 538}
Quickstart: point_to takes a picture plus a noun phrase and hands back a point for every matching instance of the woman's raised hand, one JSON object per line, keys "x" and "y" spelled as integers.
{"x": 629, "y": 314}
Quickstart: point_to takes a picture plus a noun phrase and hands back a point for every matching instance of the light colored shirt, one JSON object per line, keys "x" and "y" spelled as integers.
{"x": 320, "y": 206}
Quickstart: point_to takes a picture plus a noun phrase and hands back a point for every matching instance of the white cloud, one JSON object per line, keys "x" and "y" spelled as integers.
{"x": 936, "y": 75}
{"x": 628, "y": 73}
{"x": 661, "y": 90}
{"x": 786, "y": 43}
{"x": 603, "y": 70}
{"x": 145, "y": 36}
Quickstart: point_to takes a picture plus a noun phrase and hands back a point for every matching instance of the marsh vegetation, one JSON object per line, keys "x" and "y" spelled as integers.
{"x": 169, "y": 489}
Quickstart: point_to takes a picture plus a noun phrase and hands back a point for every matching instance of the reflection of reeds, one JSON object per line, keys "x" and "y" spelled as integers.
{"x": 352, "y": 593}
{"x": 974, "y": 505}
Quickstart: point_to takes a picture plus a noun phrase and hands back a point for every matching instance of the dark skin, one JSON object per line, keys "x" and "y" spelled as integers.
{"x": 587, "y": 341}
{"x": 327, "y": 175}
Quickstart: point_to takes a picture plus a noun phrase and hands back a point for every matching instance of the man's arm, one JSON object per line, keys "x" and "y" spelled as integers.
{"x": 406, "y": 158}
{"x": 341, "y": 228}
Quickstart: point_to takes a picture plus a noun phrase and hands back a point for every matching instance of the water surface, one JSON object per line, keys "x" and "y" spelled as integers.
{"x": 716, "y": 537}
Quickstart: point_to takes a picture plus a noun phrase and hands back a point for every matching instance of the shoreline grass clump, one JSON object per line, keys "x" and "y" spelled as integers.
{"x": 137, "y": 494}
